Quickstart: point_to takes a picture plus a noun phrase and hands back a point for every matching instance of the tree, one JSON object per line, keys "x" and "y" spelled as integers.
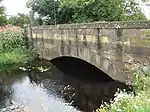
{"x": 102, "y": 10}
{"x": 3, "y": 19}
{"x": 19, "y": 20}
{"x": 77, "y": 11}
{"x": 96, "y": 10}
{"x": 45, "y": 8}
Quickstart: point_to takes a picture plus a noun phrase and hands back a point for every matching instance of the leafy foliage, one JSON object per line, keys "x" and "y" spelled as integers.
{"x": 38, "y": 21}
{"x": 13, "y": 51}
{"x": 72, "y": 11}
{"x": 138, "y": 102}
{"x": 100, "y": 10}
{"x": 19, "y": 20}
{"x": 11, "y": 40}
{"x": 128, "y": 103}
{"x": 3, "y": 19}
{"x": 46, "y": 9}
{"x": 14, "y": 59}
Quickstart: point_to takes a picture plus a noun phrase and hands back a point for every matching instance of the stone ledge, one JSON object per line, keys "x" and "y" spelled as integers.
{"x": 100, "y": 25}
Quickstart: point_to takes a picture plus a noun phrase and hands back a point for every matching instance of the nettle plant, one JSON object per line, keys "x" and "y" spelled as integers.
{"x": 11, "y": 40}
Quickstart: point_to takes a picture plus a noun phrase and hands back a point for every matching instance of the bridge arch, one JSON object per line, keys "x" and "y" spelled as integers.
{"x": 91, "y": 56}
{"x": 80, "y": 68}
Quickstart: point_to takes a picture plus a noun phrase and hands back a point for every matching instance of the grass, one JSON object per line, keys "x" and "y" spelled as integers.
{"x": 136, "y": 101}
{"x": 14, "y": 59}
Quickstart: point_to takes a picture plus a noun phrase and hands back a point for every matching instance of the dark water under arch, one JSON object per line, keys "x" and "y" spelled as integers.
{"x": 80, "y": 68}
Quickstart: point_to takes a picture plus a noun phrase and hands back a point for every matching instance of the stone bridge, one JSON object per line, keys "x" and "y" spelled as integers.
{"x": 111, "y": 47}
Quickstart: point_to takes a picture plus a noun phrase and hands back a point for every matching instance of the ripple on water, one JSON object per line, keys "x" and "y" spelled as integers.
{"x": 36, "y": 98}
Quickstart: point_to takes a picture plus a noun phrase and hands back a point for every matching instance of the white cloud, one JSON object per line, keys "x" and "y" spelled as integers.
{"x": 145, "y": 8}
{"x": 15, "y": 6}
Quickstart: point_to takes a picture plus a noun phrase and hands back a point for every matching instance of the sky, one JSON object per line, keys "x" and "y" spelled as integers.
{"x": 146, "y": 8}
{"x": 15, "y": 6}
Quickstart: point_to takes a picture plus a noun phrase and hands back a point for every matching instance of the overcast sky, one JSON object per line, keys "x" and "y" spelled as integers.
{"x": 15, "y": 6}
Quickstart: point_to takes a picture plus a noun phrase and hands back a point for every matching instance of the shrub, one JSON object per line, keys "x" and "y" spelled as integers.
{"x": 138, "y": 102}
{"x": 141, "y": 82}
{"x": 11, "y": 40}
{"x": 13, "y": 51}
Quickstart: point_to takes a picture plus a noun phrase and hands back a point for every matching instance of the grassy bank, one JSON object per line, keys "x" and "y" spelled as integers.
{"x": 136, "y": 101}
{"x": 13, "y": 51}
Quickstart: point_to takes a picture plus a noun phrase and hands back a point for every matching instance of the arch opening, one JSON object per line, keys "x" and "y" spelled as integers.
{"x": 79, "y": 68}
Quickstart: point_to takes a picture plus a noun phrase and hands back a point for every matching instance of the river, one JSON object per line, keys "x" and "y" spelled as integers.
{"x": 54, "y": 91}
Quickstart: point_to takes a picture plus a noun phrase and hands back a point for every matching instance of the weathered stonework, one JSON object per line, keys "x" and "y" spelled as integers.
{"x": 107, "y": 46}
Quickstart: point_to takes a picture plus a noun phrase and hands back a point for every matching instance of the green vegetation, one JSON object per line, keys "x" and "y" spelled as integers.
{"x": 77, "y": 11}
{"x": 137, "y": 101}
{"x": 3, "y": 19}
{"x": 13, "y": 51}
{"x": 19, "y": 20}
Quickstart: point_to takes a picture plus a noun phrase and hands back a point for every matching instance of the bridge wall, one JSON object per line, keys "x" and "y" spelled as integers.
{"x": 109, "y": 46}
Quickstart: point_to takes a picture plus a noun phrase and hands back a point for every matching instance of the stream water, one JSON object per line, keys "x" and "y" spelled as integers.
{"x": 54, "y": 91}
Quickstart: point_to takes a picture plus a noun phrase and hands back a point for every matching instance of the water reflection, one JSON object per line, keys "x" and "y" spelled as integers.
{"x": 38, "y": 99}
{"x": 52, "y": 91}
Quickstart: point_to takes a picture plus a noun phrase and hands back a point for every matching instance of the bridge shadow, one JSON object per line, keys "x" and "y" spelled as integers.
{"x": 80, "y": 69}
